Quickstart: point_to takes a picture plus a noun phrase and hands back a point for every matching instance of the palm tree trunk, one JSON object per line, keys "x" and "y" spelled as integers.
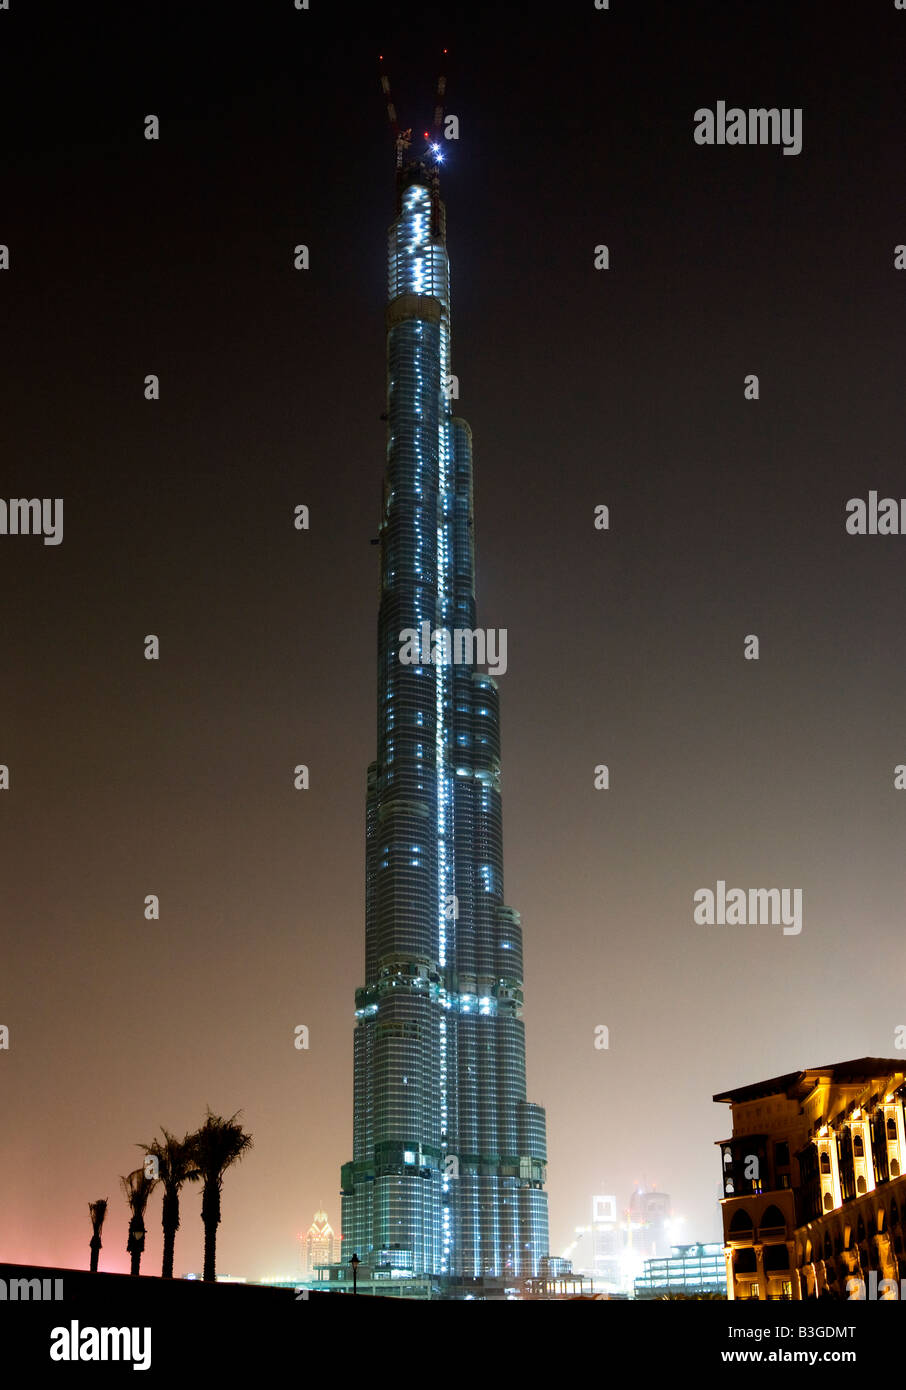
{"x": 166, "y": 1269}
{"x": 170, "y": 1220}
{"x": 135, "y": 1245}
{"x": 210, "y": 1251}
{"x": 210, "y": 1215}
{"x": 95, "y": 1251}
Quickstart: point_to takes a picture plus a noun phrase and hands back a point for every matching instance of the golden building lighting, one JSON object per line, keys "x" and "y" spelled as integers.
{"x": 813, "y": 1182}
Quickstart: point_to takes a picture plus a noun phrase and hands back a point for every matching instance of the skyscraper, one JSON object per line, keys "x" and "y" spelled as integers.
{"x": 449, "y": 1158}
{"x": 320, "y": 1244}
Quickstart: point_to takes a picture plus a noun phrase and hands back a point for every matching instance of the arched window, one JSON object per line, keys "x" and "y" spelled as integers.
{"x": 858, "y": 1146}
{"x": 825, "y": 1162}
{"x": 861, "y": 1187}
{"x": 741, "y": 1226}
{"x": 891, "y": 1128}
{"x": 772, "y": 1220}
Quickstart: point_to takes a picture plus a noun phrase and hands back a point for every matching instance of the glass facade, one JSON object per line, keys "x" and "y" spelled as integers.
{"x": 690, "y": 1270}
{"x": 449, "y": 1158}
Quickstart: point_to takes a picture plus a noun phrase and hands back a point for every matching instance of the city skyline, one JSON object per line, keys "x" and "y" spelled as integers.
{"x": 622, "y": 387}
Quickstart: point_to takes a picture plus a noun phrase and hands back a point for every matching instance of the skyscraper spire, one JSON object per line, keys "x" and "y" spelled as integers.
{"x": 449, "y": 1157}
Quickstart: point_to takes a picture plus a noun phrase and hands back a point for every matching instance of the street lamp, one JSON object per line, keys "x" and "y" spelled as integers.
{"x": 355, "y": 1262}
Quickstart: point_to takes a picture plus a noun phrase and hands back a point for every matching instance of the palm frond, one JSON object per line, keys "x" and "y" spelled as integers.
{"x": 97, "y": 1211}
{"x": 218, "y": 1144}
{"x": 137, "y": 1188}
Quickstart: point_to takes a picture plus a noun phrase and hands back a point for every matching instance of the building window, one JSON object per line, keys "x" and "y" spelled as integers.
{"x": 741, "y": 1225}
{"x": 772, "y": 1220}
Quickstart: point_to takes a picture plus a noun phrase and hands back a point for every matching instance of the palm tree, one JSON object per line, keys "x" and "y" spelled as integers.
{"x": 98, "y": 1211}
{"x": 217, "y": 1145}
{"x": 137, "y": 1188}
{"x": 175, "y": 1166}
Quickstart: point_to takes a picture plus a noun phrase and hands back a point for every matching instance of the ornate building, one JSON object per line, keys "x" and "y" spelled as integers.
{"x": 320, "y": 1245}
{"x": 814, "y": 1199}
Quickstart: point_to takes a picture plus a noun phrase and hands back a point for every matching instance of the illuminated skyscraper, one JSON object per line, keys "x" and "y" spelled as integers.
{"x": 449, "y": 1158}
{"x": 321, "y": 1246}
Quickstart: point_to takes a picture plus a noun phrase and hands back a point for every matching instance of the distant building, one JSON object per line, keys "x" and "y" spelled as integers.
{"x": 320, "y": 1245}
{"x": 607, "y": 1244}
{"x": 219, "y": 1278}
{"x": 382, "y": 1280}
{"x": 556, "y": 1280}
{"x": 813, "y": 1180}
{"x": 621, "y": 1240}
{"x": 688, "y": 1269}
{"x": 649, "y": 1213}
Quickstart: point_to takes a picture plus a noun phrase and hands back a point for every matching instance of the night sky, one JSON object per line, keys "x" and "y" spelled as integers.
{"x": 623, "y": 387}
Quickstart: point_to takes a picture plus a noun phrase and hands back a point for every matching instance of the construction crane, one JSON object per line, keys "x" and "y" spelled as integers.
{"x": 439, "y": 106}
{"x": 403, "y": 138}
